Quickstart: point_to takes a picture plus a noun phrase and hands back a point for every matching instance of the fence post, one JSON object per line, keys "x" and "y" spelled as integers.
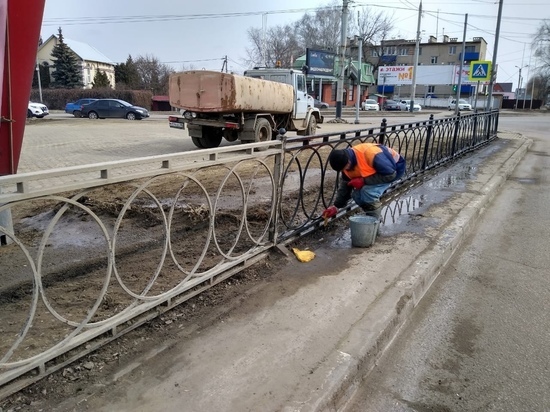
{"x": 475, "y": 129}
{"x": 427, "y": 142}
{"x": 497, "y": 114}
{"x": 382, "y": 134}
{"x": 455, "y": 134}
{"x": 278, "y": 167}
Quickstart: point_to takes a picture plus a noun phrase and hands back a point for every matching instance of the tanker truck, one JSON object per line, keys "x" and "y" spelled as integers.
{"x": 249, "y": 108}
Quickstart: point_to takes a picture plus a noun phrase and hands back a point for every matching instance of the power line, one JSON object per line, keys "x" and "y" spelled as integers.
{"x": 175, "y": 17}
{"x": 168, "y": 17}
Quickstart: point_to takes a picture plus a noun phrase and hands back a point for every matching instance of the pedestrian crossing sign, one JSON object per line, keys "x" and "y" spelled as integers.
{"x": 480, "y": 71}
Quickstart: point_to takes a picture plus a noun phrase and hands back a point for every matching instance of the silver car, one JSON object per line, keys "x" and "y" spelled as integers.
{"x": 462, "y": 105}
{"x": 405, "y": 106}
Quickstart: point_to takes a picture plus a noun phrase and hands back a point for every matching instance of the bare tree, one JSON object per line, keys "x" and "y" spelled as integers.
{"x": 153, "y": 75}
{"x": 317, "y": 30}
{"x": 281, "y": 45}
{"x": 541, "y": 44}
{"x": 373, "y": 28}
{"x": 321, "y": 29}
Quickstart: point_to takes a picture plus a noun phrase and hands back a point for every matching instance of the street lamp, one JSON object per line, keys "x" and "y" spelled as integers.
{"x": 519, "y": 82}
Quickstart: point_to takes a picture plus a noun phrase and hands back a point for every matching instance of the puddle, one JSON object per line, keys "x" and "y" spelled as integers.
{"x": 408, "y": 213}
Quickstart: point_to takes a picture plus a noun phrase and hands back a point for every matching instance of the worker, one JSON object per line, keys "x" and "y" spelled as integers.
{"x": 368, "y": 169}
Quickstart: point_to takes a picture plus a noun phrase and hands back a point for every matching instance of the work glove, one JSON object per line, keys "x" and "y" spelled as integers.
{"x": 357, "y": 183}
{"x": 330, "y": 212}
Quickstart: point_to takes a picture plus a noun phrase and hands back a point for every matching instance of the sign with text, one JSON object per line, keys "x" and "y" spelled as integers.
{"x": 395, "y": 75}
{"x": 320, "y": 62}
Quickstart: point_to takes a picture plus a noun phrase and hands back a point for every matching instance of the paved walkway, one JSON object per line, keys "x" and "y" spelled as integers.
{"x": 315, "y": 332}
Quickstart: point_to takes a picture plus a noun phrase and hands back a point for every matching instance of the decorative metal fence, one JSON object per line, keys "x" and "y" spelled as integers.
{"x": 95, "y": 251}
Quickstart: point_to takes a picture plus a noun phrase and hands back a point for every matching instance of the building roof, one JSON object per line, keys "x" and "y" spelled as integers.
{"x": 503, "y": 87}
{"x": 83, "y": 50}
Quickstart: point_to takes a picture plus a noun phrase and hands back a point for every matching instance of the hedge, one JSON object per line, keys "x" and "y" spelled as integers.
{"x": 56, "y": 99}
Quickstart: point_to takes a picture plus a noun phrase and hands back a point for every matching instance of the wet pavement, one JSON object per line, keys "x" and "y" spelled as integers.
{"x": 302, "y": 344}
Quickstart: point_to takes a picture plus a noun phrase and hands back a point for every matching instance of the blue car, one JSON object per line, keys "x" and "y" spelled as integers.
{"x": 75, "y": 108}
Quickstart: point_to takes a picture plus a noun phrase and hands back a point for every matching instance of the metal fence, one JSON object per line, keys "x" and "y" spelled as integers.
{"x": 95, "y": 251}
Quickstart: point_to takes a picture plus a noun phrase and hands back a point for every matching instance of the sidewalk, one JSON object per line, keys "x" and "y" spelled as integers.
{"x": 302, "y": 342}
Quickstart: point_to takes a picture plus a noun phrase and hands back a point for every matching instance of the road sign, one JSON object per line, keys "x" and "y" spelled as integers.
{"x": 480, "y": 71}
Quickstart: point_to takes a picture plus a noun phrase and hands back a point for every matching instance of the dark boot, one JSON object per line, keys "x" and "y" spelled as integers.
{"x": 373, "y": 209}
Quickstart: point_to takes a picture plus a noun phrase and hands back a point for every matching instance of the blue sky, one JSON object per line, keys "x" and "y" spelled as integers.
{"x": 200, "y": 33}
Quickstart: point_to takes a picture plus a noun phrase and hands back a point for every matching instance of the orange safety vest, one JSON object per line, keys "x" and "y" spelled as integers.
{"x": 364, "y": 153}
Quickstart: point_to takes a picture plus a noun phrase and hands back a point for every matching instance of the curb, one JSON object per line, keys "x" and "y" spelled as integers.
{"x": 372, "y": 335}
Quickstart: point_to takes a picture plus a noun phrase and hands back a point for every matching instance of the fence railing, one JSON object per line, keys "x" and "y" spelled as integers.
{"x": 93, "y": 252}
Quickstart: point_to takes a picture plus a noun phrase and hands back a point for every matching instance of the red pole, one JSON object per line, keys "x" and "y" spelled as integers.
{"x": 20, "y": 22}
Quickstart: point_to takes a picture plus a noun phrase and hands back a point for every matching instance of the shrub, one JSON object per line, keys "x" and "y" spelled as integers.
{"x": 56, "y": 99}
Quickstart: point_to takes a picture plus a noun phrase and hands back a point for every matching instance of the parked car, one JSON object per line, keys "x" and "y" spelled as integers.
{"x": 405, "y": 105}
{"x": 462, "y": 105}
{"x": 391, "y": 105}
{"x": 311, "y": 101}
{"x": 74, "y": 107}
{"x": 370, "y": 104}
{"x": 103, "y": 108}
{"x": 37, "y": 110}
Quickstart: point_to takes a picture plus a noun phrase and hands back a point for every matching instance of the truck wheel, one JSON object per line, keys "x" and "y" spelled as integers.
{"x": 311, "y": 126}
{"x": 230, "y": 135}
{"x": 211, "y": 137}
{"x": 197, "y": 142}
{"x": 262, "y": 131}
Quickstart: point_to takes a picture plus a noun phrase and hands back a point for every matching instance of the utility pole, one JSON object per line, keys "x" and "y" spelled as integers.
{"x": 416, "y": 54}
{"x": 264, "y": 29}
{"x": 39, "y": 81}
{"x": 340, "y": 84}
{"x": 459, "y": 85}
{"x": 494, "y": 65}
{"x": 358, "y": 97}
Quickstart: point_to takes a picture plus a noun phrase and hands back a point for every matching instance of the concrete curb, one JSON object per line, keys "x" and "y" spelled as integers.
{"x": 372, "y": 335}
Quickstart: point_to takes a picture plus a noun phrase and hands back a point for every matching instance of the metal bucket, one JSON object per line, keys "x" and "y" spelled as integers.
{"x": 363, "y": 230}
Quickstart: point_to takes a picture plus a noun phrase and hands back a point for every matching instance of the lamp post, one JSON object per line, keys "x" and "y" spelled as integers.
{"x": 519, "y": 84}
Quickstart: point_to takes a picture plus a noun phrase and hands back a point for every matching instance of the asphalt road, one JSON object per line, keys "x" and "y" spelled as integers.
{"x": 479, "y": 339}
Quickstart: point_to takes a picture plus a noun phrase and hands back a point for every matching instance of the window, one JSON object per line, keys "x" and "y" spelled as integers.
{"x": 452, "y": 49}
{"x": 278, "y": 78}
{"x": 350, "y": 94}
{"x": 333, "y": 92}
{"x": 420, "y": 51}
{"x": 434, "y": 60}
{"x": 301, "y": 83}
{"x": 470, "y": 49}
{"x": 374, "y": 53}
{"x": 431, "y": 89}
{"x": 390, "y": 51}
{"x": 403, "y": 52}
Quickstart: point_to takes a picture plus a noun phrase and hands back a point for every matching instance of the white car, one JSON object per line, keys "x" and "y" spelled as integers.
{"x": 405, "y": 105}
{"x": 37, "y": 110}
{"x": 370, "y": 104}
{"x": 462, "y": 105}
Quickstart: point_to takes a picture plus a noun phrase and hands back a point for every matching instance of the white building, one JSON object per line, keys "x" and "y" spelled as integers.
{"x": 90, "y": 59}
